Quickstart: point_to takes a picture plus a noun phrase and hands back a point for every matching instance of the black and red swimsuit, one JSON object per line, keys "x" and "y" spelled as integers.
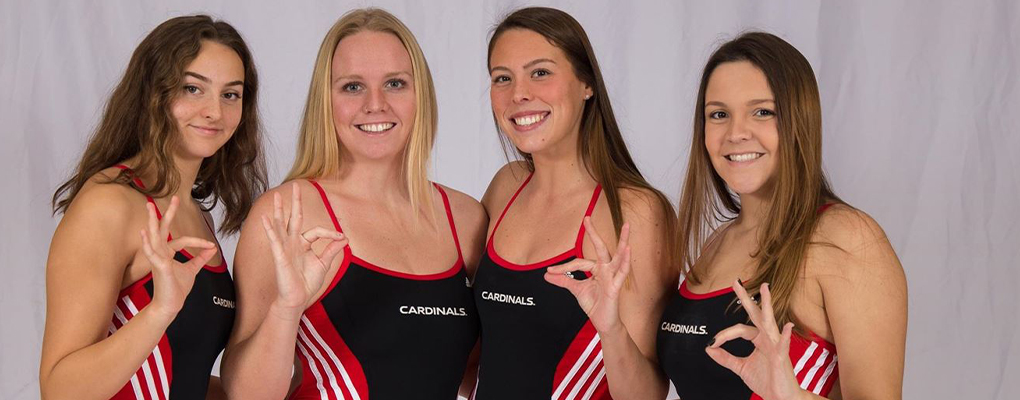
{"x": 387, "y": 334}
{"x": 537, "y": 343}
{"x": 180, "y": 365}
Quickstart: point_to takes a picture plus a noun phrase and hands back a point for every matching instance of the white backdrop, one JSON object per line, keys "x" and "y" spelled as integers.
{"x": 920, "y": 98}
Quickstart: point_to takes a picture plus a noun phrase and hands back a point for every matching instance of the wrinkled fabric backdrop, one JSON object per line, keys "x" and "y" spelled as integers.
{"x": 920, "y": 102}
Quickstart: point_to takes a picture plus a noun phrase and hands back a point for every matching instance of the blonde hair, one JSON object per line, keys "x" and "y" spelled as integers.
{"x": 318, "y": 153}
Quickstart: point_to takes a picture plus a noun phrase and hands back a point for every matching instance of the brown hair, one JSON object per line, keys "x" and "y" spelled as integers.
{"x": 318, "y": 153}
{"x": 137, "y": 121}
{"x": 799, "y": 185}
{"x": 601, "y": 144}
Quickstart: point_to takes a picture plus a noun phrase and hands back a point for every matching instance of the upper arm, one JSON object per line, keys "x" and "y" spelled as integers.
{"x": 652, "y": 275}
{"x": 471, "y": 221}
{"x": 864, "y": 291}
{"x": 254, "y": 271}
{"x": 91, "y": 249}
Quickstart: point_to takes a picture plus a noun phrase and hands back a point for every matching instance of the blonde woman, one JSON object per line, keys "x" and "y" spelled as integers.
{"x": 358, "y": 258}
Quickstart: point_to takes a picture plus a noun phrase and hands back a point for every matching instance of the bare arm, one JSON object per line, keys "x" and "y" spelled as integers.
{"x": 90, "y": 251}
{"x": 865, "y": 296}
{"x": 274, "y": 288}
{"x": 626, "y": 314}
{"x": 866, "y": 305}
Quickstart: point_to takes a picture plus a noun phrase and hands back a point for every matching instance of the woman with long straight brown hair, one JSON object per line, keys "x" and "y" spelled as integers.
{"x": 550, "y": 103}
{"x": 817, "y": 278}
{"x": 139, "y": 304}
{"x": 392, "y": 317}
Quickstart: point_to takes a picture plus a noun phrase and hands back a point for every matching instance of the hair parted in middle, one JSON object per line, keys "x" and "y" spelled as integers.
{"x": 318, "y": 153}
{"x": 600, "y": 144}
{"x": 799, "y": 184}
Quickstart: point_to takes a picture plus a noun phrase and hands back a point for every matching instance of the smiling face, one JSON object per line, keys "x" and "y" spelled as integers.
{"x": 372, "y": 94}
{"x": 741, "y": 130}
{"x": 208, "y": 108}
{"x": 537, "y": 99}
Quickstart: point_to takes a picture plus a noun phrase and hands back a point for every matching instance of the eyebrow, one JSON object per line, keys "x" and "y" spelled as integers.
{"x": 750, "y": 103}
{"x": 361, "y": 78}
{"x": 207, "y": 80}
{"x": 526, "y": 66}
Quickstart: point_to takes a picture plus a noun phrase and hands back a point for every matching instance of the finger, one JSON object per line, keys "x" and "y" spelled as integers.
{"x": 311, "y": 235}
{"x": 564, "y": 281}
{"x": 787, "y": 335}
{"x": 624, "y": 238}
{"x": 189, "y": 241}
{"x": 147, "y": 248}
{"x": 274, "y": 242}
{"x": 277, "y": 210}
{"x": 724, "y": 358}
{"x": 577, "y": 264}
{"x": 601, "y": 253}
{"x": 331, "y": 251}
{"x": 168, "y": 216}
{"x": 153, "y": 225}
{"x": 766, "y": 310}
{"x": 201, "y": 259}
{"x": 624, "y": 271}
{"x": 741, "y": 331}
{"x": 294, "y": 227}
{"x": 745, "y": 301}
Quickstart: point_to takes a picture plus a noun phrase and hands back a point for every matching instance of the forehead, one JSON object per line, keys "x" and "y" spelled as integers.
{"x": 370, "y": 51}
{"x": 217, "y": 62}
{"x": 520, "y": 46}
{"x": 737, "y": 80}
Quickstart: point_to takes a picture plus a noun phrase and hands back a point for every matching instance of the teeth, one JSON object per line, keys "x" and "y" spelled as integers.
{"x": 376, "y": 127}
{"x": 531, "y": 119}
{"x": 743, "y": 157}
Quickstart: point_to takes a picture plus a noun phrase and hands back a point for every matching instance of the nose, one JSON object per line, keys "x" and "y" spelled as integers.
{"x": 740, "y": 130}
{"x": 522, "y": 91}
{"x": 375, "y": 101}
{"x": 213, "y": 109}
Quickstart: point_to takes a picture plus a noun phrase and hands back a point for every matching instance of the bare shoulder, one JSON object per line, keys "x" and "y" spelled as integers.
{"x": 504, "y": 183}
{"x": 465, "y": 207}
{"x": 849, "y": 244}
{"x": 105, "y": 204}
{"x": 640, "y": 205}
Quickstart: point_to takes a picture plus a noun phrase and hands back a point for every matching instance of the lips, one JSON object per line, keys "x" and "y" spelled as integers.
{"x": 375, "y": 127}
{"x": 206, "y": 131}
{"x": 527, "y": 120}
{"x": 744, "y": 157}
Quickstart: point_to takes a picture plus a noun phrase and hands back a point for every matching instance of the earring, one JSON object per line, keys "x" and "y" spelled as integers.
{"x": 587, "y": 96}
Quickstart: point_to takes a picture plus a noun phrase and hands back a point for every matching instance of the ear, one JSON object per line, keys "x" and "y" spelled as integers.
{"x": 588, "y": 92}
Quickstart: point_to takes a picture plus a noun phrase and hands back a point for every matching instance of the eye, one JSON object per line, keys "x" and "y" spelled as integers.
{"x": 192, "y": 89}
{"x": 232, "y": 96}
{"x": 352, "y": 87}
{"x": 500, "y": 79}
{"x": 396, "y": 84}
{"x": 718, "y": 114}
{"x": 763, "y": 112}
{"x": 540, "y": 73}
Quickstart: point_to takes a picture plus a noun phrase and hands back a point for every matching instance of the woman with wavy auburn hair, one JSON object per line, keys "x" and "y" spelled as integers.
{"x": 134, "y": 310}
{"x": 576, "y": 182}
{"x": 817, "y": 279}
{"x": 392, "y": 316}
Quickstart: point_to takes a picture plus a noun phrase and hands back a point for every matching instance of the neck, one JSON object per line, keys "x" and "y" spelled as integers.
{"x": 188, "y": 170}
{"x": 557, "y": 170}
{"x": 380, "y": 179}
{"x": 752, "y": 209}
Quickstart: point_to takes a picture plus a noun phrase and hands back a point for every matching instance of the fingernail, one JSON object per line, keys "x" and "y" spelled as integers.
{"x": 711, "y": 342}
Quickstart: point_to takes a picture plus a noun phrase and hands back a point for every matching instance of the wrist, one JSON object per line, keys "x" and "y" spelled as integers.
{"x": 285, "y": 313}
{"x": 160, "y": 315}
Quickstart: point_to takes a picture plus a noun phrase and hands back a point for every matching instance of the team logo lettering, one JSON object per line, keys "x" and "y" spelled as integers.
{"x": 508, "y": 299}
{"x": 425, "y": 310}
{"x": 223, "y": 302}
{"x": 687, "y": 329}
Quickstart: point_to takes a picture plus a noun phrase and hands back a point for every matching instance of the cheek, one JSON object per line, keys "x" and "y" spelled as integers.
{"x": 344, "y": 109}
